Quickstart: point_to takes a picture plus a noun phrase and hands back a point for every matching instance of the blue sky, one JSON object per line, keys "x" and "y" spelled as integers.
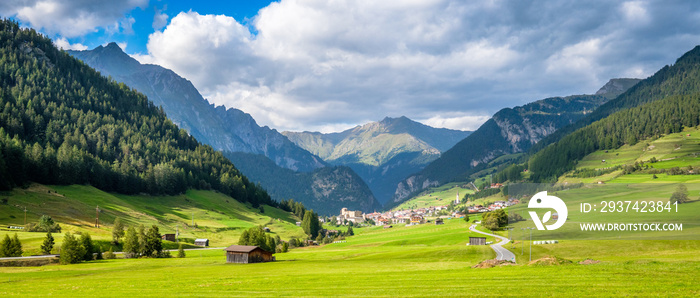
{"x": 329, "y": 65}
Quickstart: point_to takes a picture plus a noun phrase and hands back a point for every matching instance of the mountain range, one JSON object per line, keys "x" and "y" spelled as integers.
{"x": 510, "y": 130}
{"x": 383, "y": 153}
{"x": 233, "y": 131}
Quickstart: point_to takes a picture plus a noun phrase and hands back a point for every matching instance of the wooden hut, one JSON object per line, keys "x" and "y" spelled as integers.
{"x": 169, "y": 237}
{"x": 477, "y": 240}
{"x": 201, "y": 242}
{"x": 247, "y": 254}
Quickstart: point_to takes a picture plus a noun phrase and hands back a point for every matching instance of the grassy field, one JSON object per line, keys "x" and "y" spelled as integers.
{"x": 688, "y": 214}
{"x": 416, "y": 261}
{"x": 439, "y": 196}
{"x": 216, "y": 217}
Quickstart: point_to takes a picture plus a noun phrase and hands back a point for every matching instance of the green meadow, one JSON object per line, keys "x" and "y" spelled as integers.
{"x": 217, "y": 217}
{"x": 438, "y": 196}
{"x": 414, "y": 261}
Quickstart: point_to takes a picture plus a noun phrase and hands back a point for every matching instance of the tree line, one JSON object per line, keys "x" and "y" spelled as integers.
{"x": 61, "y": 122}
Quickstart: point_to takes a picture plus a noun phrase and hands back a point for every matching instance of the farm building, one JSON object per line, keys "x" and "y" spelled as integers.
{"x": 201, "y": 242}
{"x": 247, "y": 254}
{"x": 477, "y": 240}
{"x": 169, "y": 237}
{"x": 439, "y": 221}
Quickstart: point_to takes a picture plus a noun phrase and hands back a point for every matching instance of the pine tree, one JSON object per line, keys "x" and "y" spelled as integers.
{"x": 5, "y": 246}
{"x": 15, "y": 247}
{"x": 154, "y": 242}
{"x": 180, "y": 251}
{"x": 71, "y": 250}
{"x": 86, "y": 242}
{"x": 131, "y": 244}
{"x": 47, "y": 246}
{"x": 98, "y": 253}
{"x": 117, "y": 231}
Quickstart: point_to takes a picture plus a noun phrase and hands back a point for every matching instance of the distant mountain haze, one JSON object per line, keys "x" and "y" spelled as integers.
{"x": 382, "y": 153}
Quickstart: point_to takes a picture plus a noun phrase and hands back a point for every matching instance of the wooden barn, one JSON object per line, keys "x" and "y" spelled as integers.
{"x": 247, "y": 254}
{"x": 477, "y": 240}
{"x": 169, "y": 237}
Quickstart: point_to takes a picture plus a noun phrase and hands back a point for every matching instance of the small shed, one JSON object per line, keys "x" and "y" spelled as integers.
{"x": 477, "y": 240}
{"x": 439, "y": 221}
{"x": 245, "y": 254}
{"x": 169, "y": 237}
{"x": 201, "y": 242}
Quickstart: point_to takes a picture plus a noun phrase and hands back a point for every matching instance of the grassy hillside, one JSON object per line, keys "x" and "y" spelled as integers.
{"x": 425, "y": 260}
{"x": 680, "y": 149}
{"x": 216, "y": 216}
{"x": 438, "y": 196}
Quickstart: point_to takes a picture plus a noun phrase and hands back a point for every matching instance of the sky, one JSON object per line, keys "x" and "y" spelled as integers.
{"x": 328, "y": 65}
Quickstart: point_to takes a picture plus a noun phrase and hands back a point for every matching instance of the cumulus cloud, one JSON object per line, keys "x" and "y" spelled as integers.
{"x": 325, "y": 65}
{"x": 64, "y": 44}
{"x": 72, "y": 18}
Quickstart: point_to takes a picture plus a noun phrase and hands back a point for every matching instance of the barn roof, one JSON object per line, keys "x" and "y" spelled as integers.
{"x": 241, "y": 248}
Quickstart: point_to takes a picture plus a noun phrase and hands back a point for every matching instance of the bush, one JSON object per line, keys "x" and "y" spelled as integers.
{"x": 109, "y": 255}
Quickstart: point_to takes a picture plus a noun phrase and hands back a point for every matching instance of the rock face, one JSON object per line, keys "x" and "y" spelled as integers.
{"x": 615, "y": 87}
{"x": 223, "y": 129}
{"x": 508, "y": 131}
{"x": 382, "y": 153}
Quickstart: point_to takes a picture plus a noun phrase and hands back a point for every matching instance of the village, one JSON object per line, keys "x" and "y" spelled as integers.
{"x": 418, "y": 215}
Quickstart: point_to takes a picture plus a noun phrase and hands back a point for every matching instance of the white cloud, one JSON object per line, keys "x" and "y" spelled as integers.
{"x": 160, "y": 19}
{"x": 456, "y": 120}
{"x": 71, "y": 18}
{"x": 63, "y": 43}
{"x": 325, "y": 64}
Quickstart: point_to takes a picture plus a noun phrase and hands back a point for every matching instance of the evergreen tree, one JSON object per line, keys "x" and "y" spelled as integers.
{"x": 131, "y": 246}
{"x": 142, "y": 241}
{"x": 89, "y": 248}
{"x": 180, "y": 251}
{"x": 117, "y": 231}
{"x": 310, "y": 224}
{"x": 350, "y": 232}
{"x": 71, "y": 250}
{"x": 98, "y": 253}
{"x": 47, "y": 246}
{"x": 5, "y": 246}
{"x": 154, "y": 244}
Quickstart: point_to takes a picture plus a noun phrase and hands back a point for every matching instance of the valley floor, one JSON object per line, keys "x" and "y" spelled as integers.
{"x": 425, "y": 260}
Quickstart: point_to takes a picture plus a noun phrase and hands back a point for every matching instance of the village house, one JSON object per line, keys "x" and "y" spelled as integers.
{"x": 417, "y": 219}
{"x": 245, "y": 254}
{"x": 352, "y": 216}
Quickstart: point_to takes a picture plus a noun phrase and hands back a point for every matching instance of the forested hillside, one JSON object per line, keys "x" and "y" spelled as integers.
{"x": 61, "y": 122}
{"x": 510, "y": 130}
{"x": 669, "y": 115}
{"x": 681, "y": 78}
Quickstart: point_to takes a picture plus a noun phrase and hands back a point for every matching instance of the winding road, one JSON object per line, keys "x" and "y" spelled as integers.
{"x": 501, "y": 253}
